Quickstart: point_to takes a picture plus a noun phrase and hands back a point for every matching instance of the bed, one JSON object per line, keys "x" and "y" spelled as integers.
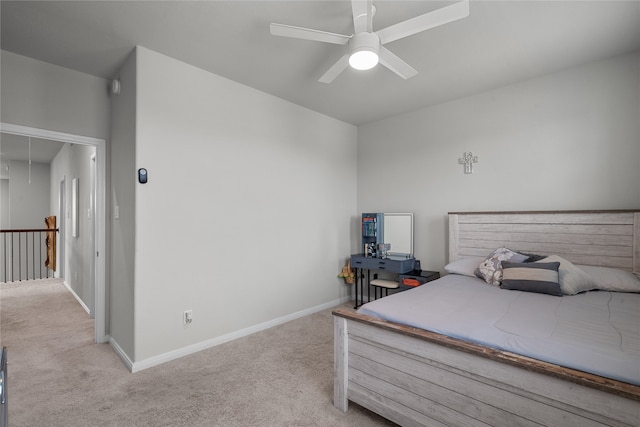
{"x": 415, "y": 376}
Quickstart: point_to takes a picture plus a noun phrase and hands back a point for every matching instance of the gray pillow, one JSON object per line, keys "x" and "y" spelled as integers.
{"x": 490, "y": 270}
{"x": 539, "y": 277}
{"x": 533, "y": 257}
{"x": 572, "y": 279}
{"x": 464, "y": 266}
{"x": 612, "y": 279}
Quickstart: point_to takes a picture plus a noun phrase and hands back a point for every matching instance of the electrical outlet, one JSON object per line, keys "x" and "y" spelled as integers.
{"x": 187, "y": 317}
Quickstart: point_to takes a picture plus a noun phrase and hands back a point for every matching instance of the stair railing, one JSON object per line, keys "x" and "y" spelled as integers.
{"x": 25, "y": 254}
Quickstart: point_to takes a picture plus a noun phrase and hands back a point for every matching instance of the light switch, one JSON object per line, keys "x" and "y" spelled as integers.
{"x": 116, "y": 212}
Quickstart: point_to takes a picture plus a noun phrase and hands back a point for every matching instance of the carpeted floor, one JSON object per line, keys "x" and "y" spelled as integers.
{"x": 58, "y": 377}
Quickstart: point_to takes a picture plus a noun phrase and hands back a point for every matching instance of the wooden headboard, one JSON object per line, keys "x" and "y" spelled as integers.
{"x": 602, "y": 238}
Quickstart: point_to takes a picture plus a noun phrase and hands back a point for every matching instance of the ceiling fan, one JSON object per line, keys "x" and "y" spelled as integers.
{"x": 366, "y": 47}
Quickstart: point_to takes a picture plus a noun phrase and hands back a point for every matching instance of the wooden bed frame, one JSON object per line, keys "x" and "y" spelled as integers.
{"x": 418, "y": 378}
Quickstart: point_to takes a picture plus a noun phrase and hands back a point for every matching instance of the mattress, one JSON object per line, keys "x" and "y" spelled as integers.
{"x": 596, "y": 332}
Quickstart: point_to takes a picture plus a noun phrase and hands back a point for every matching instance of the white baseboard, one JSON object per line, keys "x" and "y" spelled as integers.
{"x": 120, "y": 352}
{"x": 66, "y": 285}
{"x": 185, "y": 351}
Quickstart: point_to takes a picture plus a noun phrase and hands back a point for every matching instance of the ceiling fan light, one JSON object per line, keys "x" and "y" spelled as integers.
{"x": 364, "y": 49}
{"x": 364, "y": 59}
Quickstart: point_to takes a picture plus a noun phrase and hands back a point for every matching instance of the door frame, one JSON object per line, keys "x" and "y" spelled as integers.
{"x": 99, "y": 258}
{"x": 62, "y": 225}
{"x": 93, "y": 183}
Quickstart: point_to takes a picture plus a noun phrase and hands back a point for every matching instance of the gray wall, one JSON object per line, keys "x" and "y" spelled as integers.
{"x": 274, "y": 183}
{"x": 569, "y": 140}
{"x": 245, "y": 218}
{"x": 42, "y": 95}
{"x": 29, "y": 202}
{"x": 73, "y": 161}
{"x": 46, "y": 96}
{"x": 5, "y": 214}
{"x": 24, "y": 206}
{"x": 5, "y": 205}
{"x": 122, "y": 196}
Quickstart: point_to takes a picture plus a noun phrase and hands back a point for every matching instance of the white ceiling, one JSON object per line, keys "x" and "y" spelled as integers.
{"x": 18, "y": 147}
{"x": 500, "y": 43}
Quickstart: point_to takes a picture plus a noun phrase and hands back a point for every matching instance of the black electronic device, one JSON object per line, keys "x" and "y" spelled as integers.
{"x": 142, "y": 176}
{"x": 4, "y": 406}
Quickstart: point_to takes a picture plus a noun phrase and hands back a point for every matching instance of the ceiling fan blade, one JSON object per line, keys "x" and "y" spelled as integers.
{"x": 396, "y": 64}
{"x": 308, "y": 34}
{"x": 335, "y": 69}
{"x": 362, "y": 16}
{"x": 424, "y": 22}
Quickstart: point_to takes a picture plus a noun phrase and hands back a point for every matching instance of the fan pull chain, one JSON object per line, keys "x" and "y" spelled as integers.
{"x": 29, "y": 160}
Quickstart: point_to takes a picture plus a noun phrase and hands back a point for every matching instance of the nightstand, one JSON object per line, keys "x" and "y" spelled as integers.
{"x": 416, "y": 278}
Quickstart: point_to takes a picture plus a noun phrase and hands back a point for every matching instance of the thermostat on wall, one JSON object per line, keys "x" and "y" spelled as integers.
{"x": 142, "y": 176}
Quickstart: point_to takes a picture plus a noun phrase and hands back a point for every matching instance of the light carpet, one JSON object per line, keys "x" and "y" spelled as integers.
{"x": 58, "y": 376}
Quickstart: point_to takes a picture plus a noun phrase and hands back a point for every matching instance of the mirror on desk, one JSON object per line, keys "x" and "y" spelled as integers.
{"x": 398, "y": 232}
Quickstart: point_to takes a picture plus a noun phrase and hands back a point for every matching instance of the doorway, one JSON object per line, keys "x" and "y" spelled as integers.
{"x": 98, "y": 208}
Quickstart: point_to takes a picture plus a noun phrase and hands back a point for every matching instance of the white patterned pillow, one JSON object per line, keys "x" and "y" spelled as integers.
{"x": 491, "y": 268}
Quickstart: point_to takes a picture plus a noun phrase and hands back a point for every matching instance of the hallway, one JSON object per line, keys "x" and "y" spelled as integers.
{"x": 51, "y": 350}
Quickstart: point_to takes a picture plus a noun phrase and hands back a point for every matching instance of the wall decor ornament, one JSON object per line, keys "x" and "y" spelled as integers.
{"x": 468, "y": 159}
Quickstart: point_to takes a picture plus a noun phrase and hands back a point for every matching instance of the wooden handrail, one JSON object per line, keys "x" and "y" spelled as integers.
{"x": 30, "y": 230}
